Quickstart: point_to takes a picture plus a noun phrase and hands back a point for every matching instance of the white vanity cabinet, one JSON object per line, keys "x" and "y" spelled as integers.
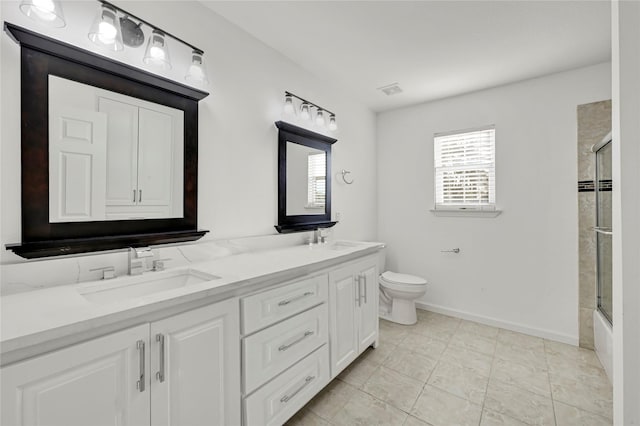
{"x": 353, "y": 311}
{"x": 92, "y": 383}
{"x": 286, "y": 363}
{"x": 180, "y": 370}
{"x": 195, "y": 367}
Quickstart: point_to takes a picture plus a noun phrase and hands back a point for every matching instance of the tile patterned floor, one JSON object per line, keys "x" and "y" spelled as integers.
{"x": 444, "y": 371}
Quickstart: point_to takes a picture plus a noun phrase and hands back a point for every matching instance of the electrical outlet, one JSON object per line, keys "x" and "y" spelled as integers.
{"x": 338, "y": 215}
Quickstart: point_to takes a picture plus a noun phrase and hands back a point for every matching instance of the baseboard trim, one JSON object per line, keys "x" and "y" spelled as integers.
{"x": 494, "y": 322}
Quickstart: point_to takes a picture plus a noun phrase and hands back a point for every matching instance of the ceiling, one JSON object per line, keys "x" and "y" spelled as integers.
{"x": 432, "y": 49}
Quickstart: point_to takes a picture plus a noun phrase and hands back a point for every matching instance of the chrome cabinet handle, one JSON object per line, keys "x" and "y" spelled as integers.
{"x": 366, "y": 291}
{"x": 160, "y": 373}
{"x": 134, "y": 195}
{"x": 307, "y": 380}
{"x": 295, "y": 299}
{"x": 306, "y": 334}
{"x": 139, "y": 195}
{"x": 359, "y": 296}
{"x": 141, "y": 380}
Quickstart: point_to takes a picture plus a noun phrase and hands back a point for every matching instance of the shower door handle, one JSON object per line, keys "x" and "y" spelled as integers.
{"x": 603, "y": 230}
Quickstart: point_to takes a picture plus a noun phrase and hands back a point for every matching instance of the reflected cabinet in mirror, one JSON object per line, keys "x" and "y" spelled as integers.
{"x": 304, "y": 179}
{"x": 109, "y": 152}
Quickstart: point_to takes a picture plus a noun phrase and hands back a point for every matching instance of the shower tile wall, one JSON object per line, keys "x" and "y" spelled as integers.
{"x": 594, "y": 122}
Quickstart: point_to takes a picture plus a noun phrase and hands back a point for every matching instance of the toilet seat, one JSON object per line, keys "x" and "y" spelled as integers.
{"x": 401, "y": 279}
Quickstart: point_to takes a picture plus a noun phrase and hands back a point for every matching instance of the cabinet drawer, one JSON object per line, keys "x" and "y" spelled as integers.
{"x": 277, "y": 348}
{"x": 277, "y": 401}
{"x": 269, "y": 307}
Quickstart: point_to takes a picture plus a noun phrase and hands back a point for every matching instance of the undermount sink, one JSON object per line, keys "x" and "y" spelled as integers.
{"x": 131, "y": 287}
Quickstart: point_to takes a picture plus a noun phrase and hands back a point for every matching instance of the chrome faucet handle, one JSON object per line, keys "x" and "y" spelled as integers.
{"x": 158, "y": 264}
{"x": 108, "y": 272}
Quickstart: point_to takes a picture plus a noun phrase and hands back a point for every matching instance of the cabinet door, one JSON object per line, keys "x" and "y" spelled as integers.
{"x": 156, "y": 171}
{"x": 368, "y": 308}
{"x": 196, "y": 375}
{"x": 343, "y": 299}
{"x": 122, "y": 153}
{"x": 92, "y": 383}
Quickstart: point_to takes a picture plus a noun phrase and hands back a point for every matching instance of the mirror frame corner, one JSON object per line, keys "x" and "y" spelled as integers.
{"x": 297, "y": 223}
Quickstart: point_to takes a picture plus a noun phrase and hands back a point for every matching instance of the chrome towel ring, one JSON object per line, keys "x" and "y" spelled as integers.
{"x": 344, "y": 178}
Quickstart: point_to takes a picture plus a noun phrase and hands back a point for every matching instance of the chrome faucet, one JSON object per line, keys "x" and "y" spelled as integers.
{"x": 138, "y": 259}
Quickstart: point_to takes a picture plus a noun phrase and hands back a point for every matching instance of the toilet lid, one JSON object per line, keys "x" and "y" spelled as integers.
{"x": 394, "y": 277}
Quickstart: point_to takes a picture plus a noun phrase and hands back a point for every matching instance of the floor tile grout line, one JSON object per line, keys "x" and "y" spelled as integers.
{"x": 553, "y": 400}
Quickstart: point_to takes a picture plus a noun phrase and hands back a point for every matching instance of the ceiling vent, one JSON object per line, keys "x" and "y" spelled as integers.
{"x": 390, "y": 89}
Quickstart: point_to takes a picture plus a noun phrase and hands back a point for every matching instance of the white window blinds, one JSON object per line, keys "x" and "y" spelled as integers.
{"x": 316, "y": 192}
{"x": 465, "y": 170}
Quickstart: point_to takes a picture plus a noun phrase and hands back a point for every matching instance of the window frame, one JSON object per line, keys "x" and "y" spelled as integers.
{"x": 464, "y": 209}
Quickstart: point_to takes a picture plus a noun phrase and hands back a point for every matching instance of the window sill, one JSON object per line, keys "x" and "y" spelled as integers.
{"x": 466, "y": 213}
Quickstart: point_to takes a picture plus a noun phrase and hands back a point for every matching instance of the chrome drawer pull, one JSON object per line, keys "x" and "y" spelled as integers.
{"x": 140, "y": 382}
{"x": 300, "y": 339}
{"x": 307, "y": 380}
{"x": 160, "y": 373}
{"x": 302, "y": 296}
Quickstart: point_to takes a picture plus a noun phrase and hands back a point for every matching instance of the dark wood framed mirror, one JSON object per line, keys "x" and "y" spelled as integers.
{"x": 304, "y": 179}
{"x": 47, "y": 233}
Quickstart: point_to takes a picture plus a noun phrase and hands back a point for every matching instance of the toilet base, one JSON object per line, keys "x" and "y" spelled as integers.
{"x": 403, "y": 311}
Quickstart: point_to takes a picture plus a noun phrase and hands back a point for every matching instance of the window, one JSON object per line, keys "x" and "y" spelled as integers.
{"x": 316, "y": 192}
{"x": 465, "y": 170}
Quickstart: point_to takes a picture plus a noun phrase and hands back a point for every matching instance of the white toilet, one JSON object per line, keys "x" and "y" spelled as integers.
{"x": 398, "y": 293}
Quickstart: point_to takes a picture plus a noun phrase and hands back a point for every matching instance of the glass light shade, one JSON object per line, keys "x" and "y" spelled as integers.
{"x": 289, "y": 109}
{"x": 333, "y": 125}
{"x": 105, "y": 30}
{"x": 157, "y": 53}
{"x": 305, "y": 113}
{"x": 46, "y": 11}
{"x": 197, "y": 72}
{"x": 320, "y": 118}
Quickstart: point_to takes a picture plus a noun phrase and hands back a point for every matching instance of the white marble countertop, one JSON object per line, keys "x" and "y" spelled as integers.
{"x": 44, "y": 319}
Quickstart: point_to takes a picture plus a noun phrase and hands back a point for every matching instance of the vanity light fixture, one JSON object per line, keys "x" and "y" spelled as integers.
{"x": 105, "y": 30}
{"x": 157, "y": 52}
{"x": 48, "y": 12}
{"x": 333, "y": 125}
{"x": 306, "y": 111}
{"x": 197, "y": 71}
{"x": 289, "y": 109}
{"x": 115, "y": 28}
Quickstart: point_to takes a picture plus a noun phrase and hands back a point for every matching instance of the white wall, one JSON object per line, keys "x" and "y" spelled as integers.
{"x": 238, "y": 140}
{"x": 626, "y": 211}
{"x": 520, "y": 269}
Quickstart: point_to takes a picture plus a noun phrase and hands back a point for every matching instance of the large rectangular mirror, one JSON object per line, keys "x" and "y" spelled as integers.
{"x": 135, "y": 184}
{"x": 112, "y": 156}
{"x": 304, "y": 179}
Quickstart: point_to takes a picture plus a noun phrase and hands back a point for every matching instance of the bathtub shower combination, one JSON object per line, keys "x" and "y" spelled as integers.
{"x": 603, "y": 316}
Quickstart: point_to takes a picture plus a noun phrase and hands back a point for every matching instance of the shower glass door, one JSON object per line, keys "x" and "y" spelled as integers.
{"x": 603, "y": 230}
